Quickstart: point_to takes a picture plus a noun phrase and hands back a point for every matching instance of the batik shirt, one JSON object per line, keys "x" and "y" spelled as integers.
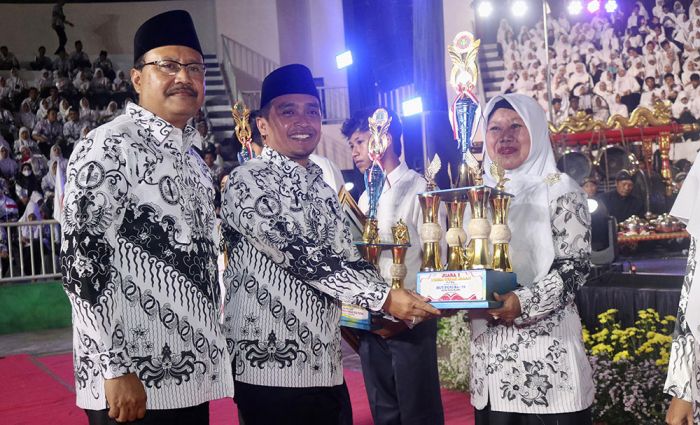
{"x": 291, "y": 261}
{"x": 539, "y": 365}
{"x": 683, "y": 380}
{"x": 139, "y": 264}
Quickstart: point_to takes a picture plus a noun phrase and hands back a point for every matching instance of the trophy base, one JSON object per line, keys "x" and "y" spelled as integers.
{"x": 356, "y": 317}
{"x": 465, "y": 289}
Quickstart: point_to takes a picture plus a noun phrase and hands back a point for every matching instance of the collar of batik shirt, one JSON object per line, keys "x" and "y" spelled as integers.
{"x": 160, "y": 129}
{"x": 311, "y": 170}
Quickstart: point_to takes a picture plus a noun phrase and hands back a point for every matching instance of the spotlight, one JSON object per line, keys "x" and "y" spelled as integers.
{"x": 349, "y": 186}
{"x": 593, "y": 6}
{"x": 485, "y": 9}
{"x": 344, "y": 59}
{"x": 610, "y": 6}
{"x": 518, "y": 8}
{"x": 592, "y": 205}
{"x": 412, "y": 106}
{"x": 575, "y": 7}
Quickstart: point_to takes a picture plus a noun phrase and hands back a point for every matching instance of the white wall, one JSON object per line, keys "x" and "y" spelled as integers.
{"x": 328, "y": 39}
{"x": 252, "y": 23}
{"x": 108, "y": 26}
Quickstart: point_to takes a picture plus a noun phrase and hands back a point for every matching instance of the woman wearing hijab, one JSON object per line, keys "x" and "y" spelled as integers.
{"x": 26, "y": 179}
{"x": 24, "y": 139}
{"x": 31, "y": 235}
{"x": 48, "y": 182}
{"x": 63, "y": 110}
{"x": 25, "y": 117}
{"x": 8, "y": 166}
{"x": 682, "y": 109}
{"x": 111, "y": 112}
{"x": 43, "y": 109}
{"x": 528, "y": 364}
{"x": 683, "y": 380}
{"x": 87, "y": 114}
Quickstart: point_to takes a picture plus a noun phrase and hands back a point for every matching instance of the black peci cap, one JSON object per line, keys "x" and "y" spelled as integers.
{"x": 289, "y": 79}
{"x": 172, "y": 28}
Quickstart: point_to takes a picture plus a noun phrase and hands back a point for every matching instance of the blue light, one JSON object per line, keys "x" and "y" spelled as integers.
{"x": 344, "y": 59}
{"x": 412, "y": 106}
{"x": 610, "y": 6}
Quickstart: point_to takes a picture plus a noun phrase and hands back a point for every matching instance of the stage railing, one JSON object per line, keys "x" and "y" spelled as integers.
{"x": 29, "y": 251}
{"x": 394, "y": 98}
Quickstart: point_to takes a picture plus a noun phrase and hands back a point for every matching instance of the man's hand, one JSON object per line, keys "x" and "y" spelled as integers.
{"x": 510, "y": 309}
{"x": 680, "y": 412}
{"x": 409, "y": 306}
{"x": 126, "y": 398}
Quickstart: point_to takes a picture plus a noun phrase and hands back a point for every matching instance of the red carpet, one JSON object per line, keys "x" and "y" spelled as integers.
{"x": 39, "y": 390}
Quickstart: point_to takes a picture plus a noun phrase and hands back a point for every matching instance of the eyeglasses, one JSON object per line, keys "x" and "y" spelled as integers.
{"x": 171, "y": 67}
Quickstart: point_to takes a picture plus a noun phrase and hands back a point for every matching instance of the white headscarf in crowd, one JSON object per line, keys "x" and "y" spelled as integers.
{"x": 687, "y": 209}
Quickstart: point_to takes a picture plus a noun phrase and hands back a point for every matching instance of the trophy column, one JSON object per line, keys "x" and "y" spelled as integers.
{"x": 479, "y": 228}
{"x": 500, "y": 233}
{"x": 430, "y": 232}
{"x": 456, "y": 236}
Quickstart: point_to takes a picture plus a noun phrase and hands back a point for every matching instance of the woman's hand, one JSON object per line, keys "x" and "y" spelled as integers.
{"x": 680, "y": 412}
{"x": 510, "y": 309}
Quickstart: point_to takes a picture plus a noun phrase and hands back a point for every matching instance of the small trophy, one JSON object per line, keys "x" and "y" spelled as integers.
{"x": 430, "y": 231}
{"x": 398, "y": 252}
{"x": 241, "y": 116}
{"x": 472, "y": 274}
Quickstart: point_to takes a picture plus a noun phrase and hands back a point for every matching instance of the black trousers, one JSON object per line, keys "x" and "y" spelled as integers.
{"x": 187, "y": 416}
{"x": 259, "y": 405}
{"x": 62, "y": 38}
{"x": 401, "y": 376}
{"x": 489, "y": 417}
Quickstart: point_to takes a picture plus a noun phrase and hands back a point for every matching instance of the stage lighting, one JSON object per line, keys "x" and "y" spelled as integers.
{"x": 592, "y": 205}
{"x": 518, "y": 8}
{"x": 349, "y": 186}
{"x": 485, "y": 9}
{"x": 412, "y": 106}
{"x": 575, "y": 7}
{"x": 610, "y": 6}
{"x": 344, "y": 59}
{"x": 593, "y": 6}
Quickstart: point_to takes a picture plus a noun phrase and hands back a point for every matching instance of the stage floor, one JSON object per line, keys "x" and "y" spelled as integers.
{"x": 38, "y": 385}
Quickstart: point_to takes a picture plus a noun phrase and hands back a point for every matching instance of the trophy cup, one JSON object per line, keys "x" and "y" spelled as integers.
{"x": 244, "y": 134}
{"x": 472, "y": 275}
{"x": 500, "y": 233}
{"x": 430, "y": 231}
{"x": 371, "y": 246}
{"x": 398, "y": 253}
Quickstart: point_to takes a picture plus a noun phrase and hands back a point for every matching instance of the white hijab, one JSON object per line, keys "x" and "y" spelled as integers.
{"x": 687, "y": 209}
{"x": 532, "y": 248}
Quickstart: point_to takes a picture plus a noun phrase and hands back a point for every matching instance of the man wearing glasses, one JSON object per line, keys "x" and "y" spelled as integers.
{"x": 138, "y": 253}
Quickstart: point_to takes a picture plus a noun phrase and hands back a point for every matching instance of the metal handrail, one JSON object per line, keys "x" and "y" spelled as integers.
{"x": 15, "y": 247}
{"x": 242, "y": 57}
{"x": 394, "y": 98}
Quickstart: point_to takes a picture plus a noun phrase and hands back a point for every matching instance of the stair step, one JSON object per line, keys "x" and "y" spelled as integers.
{"x": 491, "y": 54}
{"x": 220, "y": 108}
{"x": 216, "y": 87}
{"x": 209, "y": 55}
{"x": 213, "y": 72}
{"x": 214, "y": 81}
{"x": 216, "y": 93}
{"x": 218, "y": 114}
{"x": 217, "y": 100}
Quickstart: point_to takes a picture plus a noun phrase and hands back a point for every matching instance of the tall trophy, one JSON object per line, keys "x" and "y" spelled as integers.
{"x": 244, "y": 134}
{"x": 430, "y": 231}
{"x": 371, "y": 245}
{"x": 472, "y": 274}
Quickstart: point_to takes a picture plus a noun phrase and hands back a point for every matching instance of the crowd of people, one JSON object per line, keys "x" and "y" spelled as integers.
{"x": 610, "y": 64}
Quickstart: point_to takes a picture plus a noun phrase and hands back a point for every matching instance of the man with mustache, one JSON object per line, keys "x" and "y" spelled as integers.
{"x": 291, "y": 262}
{"x": 139, "y": 255}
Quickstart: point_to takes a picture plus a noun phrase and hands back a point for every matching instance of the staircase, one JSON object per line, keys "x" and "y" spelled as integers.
{"x": 492, "y": 70}
{"x": 216, "y": 101}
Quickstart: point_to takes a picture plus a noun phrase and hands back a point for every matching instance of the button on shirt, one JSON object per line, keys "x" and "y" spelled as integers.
{"x": 139, "y": 264}
{"x": 399, "y": 200}
{"x": 291, "y": 262}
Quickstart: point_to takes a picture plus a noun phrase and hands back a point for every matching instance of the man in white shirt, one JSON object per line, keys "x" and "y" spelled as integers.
{"x": 399, "y": 364}
{"x": 627, "y": 87}
{"x": 651, "y": 93}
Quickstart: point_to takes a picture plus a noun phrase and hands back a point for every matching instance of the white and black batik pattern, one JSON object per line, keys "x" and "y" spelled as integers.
{"x": 291, "y": 262}
{"x": 683, "y": 378}
{"x": 139, "y": 264}
{"x": 539, "y": 365}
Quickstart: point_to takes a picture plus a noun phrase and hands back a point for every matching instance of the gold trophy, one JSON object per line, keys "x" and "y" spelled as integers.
{"x": 479, "y": 228}
{"x": 456, "y": 236}
{"x": 398, "y": 252}
{"x": 500, "y": 233}
{"x": 430, "y": 231}
{"x": 244, "y": 134}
